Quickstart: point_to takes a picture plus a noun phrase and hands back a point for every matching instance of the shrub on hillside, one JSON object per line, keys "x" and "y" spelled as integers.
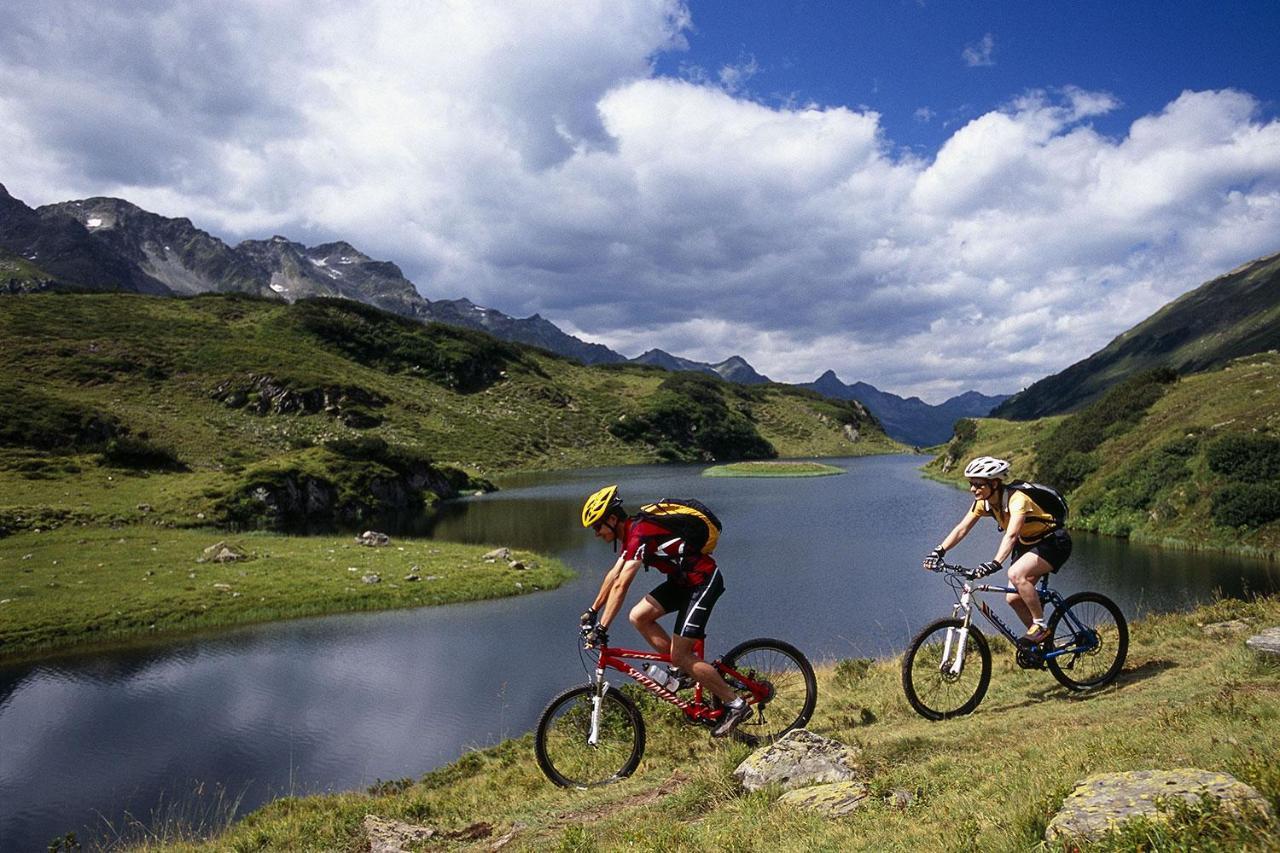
{"x": 1245, "y": 457}
{"x": 1062, "y": 456}
{"x": 1246, "y": 504}
{"x": 31, "y": 419}
{"x": 688, "y": 420}
{"x": 129, "y": 451}
{"x": 1137, "y": 484}
{"x": 459, "y": 359}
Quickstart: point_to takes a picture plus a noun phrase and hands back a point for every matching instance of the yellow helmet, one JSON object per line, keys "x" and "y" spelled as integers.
{"x": 599, "y": 504}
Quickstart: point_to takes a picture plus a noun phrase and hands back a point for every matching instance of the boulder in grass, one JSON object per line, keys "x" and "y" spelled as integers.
{"x": 1104, "y": 801}
{"x": 1268, "y": 642}
{"x": 498, "y": 554}
{"x": 799, "y": 758}
{"x": 834, "y": 799}
{"x": 222, "y": 552}
{"x": 373, "y": 539}
{"x": 393, "y": 836}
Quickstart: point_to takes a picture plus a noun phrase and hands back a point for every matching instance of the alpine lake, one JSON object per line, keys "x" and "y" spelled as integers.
{"x": 187, "y": 728}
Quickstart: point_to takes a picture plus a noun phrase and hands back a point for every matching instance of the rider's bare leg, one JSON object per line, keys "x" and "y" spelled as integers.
{"x": 1023, "y": 575}
{"x": 644, "y": 617}
{"x": 682, "y": 656}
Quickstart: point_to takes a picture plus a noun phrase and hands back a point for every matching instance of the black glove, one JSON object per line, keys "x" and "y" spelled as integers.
{"x": 933, "y": 561}
{"x": 988, "y": 568}
{"x": 589, "y": 618}
{"x": 596, "y": 635}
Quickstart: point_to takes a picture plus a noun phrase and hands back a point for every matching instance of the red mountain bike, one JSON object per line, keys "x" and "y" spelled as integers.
{"x": 594, "y": 734}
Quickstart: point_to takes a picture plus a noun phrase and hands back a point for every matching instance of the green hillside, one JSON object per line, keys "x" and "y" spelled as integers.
{"x": 1234, "y": 315}
{"x": 189, "y": 407}
{"x": 1190, "y": 461}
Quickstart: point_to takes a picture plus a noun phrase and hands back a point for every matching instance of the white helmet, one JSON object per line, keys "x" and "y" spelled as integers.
{"x": 987, "y": 468}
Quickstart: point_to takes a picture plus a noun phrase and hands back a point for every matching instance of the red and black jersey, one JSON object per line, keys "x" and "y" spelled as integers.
{"x": 659, "y": 548}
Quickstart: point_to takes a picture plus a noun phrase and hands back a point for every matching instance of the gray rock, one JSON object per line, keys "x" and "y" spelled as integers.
{"x": 373, "y": 539}
{"x": 393, "y": 836}
{"x": 1106, "y": 800}
{"x": 222, "y": 552}
{"x": 498, "y": 554}
{"x": 834, "y": 799}
{"x": 1268, "y": 642}
{"x": 1223, "y": 629}
{"x": 371, "y": 578}
{"x": 799, "y": 758}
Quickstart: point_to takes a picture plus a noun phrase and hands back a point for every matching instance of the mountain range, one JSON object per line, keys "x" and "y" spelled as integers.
{"x": 910, "y": 420}
{"x": 108, "y": 244}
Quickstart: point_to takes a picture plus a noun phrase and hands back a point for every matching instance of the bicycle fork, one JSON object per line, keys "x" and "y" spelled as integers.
{"x": 597, "y": 701}
{"x": 957, "y": 639}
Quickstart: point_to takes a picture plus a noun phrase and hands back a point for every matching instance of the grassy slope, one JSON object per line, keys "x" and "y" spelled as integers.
{"x": 1243, "y": 396}
{"x": 75, "y": 586}
{"x": 1184, "y": 700}
{"x": 153, "y": 363}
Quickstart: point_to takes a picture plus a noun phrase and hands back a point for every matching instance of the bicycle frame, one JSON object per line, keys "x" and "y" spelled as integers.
{"x": 696, "y": 709}
{"x": 1084, "y": 639}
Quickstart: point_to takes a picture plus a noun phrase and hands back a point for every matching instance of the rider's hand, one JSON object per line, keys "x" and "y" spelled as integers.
{"x": 589, "y": 618}
{"x": 596, "y": 635}
{"x": 988, "y": 568}
{"x": 933, "y": 560}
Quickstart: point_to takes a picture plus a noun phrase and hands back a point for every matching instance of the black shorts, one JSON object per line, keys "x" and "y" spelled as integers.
{"x": 1054, "y": 549}
{"x": 691, "y": 604}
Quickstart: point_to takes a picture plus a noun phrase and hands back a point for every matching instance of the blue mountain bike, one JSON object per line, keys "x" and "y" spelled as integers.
{"x": 947, "y": 668}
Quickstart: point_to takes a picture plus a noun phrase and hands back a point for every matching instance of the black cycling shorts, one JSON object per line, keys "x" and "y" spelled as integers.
{"x": 1054, "y": 548}
{"x": 692, "y": 604}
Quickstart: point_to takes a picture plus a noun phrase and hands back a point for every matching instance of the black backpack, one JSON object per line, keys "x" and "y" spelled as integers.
{"x": 687, "y": 518}
{"x": 1046, "y": 497}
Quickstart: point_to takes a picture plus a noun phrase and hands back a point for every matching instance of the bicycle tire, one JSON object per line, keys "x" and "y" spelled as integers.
{"x": 939, "y": 695}
{"x": 560, "y": 740}
{"x": 1101, "y": 663}
{"x": 794, "y": 686}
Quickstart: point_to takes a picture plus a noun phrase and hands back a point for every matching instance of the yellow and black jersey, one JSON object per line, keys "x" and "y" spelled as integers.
{"x": 1039, "y": 523}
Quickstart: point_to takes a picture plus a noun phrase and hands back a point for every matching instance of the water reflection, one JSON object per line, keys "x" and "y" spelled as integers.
{"x": 831, "y": 564}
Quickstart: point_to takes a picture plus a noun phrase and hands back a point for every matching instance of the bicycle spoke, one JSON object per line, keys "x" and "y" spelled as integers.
{"x": 564, "y": 739}
{"x": 789, "y": 686}
{"x": 1091, "y": 632}
{"x": 934, "y": 685}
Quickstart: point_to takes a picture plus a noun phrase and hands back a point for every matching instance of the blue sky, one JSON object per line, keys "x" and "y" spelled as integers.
{"x": 928, "y": 196}
{"x": 956, "y": 59}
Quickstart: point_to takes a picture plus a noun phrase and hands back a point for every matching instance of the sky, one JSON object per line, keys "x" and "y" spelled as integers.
{"x": 931, "y": 196}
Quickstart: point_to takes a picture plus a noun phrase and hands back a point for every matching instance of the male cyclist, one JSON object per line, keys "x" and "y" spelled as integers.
{"x": 1035, "y": 540}
{"x": 692, "y": 586}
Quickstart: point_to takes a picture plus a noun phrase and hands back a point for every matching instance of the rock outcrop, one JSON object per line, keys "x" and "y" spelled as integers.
{"x": 1268, "y": 642}
{"x": 1107, "y": 800}
{"x": 797, "y": 759}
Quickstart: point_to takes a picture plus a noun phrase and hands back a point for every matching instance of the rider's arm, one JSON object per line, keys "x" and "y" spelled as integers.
{"x": 1016, "y": 520}
{"x": 607, "y": 584}
{"x": 960, "y": 531}
{"x": 622, "y": 574}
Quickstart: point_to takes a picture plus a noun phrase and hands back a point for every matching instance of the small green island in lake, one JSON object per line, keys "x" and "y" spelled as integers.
{"x": 773, "y": 468}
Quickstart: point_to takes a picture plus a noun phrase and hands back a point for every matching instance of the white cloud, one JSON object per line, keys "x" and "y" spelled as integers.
{"x": 979, "y": 54}
{"x": 526, "y": 156}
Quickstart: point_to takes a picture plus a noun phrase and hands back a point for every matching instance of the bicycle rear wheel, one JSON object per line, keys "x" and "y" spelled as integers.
{"x": 789, "y": 687}
{"x": 935, "y": 687}
{"x": 1093, "y": 627}
{"x": 561, "y": 741}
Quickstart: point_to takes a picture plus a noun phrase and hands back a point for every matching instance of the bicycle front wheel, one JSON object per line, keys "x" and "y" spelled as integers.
{"x": 790, "y": 690}
{"x": 942, "y": 676}
{"x": 1092, "y": 629}
{"x": 564, "y": 738}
